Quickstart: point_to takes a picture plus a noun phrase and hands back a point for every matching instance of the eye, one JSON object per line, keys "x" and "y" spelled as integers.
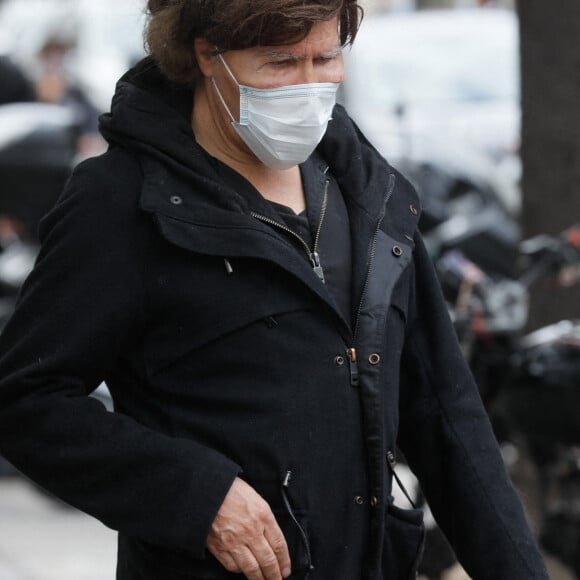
{"x": 323, "y": 61}
{"x": 280, "y": 63}
{"x": 327, "y": 58}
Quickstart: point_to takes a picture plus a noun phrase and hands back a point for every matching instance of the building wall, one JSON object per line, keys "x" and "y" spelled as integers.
{"x": 406, "y": 5}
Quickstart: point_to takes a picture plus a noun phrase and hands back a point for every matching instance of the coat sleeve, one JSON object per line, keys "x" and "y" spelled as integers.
{"x": 80, "y": 307}
{"x": 447, "y": 438}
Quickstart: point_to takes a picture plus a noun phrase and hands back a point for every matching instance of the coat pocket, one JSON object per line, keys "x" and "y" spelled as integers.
{"x": 150, "y": 562}
{"x": 139, "y": 560}
{"x": 404, "y": 543}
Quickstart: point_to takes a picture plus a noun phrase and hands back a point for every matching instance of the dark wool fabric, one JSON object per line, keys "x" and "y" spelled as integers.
{"x": 334, "y": 240}
{"x": 218, "y": 371}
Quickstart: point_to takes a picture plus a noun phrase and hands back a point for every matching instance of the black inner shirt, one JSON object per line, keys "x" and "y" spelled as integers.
{"x": 334, "y": 245}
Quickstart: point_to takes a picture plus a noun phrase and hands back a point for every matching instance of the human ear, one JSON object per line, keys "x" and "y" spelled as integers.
{"x": 204, "y": 56}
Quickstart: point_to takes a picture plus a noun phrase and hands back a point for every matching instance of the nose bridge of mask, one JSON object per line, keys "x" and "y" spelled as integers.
{"x": 303, "y": 105}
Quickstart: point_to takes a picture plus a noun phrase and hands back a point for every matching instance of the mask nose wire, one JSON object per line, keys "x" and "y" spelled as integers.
{"x": 219, "y": 94}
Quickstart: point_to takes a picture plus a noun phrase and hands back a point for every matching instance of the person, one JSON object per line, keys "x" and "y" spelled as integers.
{"x": 15, "y": 87}
{"x": 55, "y": 84}
{"x": 244, "y": 271}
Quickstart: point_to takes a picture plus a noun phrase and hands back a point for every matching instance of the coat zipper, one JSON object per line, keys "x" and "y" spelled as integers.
{"x": 313, "y": 255}
{"x": 351, "y": 352}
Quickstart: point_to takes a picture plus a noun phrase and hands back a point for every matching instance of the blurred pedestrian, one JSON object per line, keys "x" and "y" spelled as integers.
{"x": 15, "y": 87}
{"x": 55, "y": 84}
{"x": 244, "y": 271}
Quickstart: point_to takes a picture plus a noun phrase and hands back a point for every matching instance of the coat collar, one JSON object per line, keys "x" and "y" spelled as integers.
{"x": 213, "y": 220}
{"x": 196, "y": 210}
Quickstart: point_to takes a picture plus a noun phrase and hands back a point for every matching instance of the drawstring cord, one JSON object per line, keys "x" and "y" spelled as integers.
{"x": 285, "y": 485}
{"x": 392, "y": 462}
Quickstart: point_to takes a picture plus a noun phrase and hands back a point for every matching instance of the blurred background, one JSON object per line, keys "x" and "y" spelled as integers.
{"x": 477, "y": 103}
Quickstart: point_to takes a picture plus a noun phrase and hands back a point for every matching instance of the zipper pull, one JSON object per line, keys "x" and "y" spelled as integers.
{"x": 315, "y": 262}
{"x": 391, "y": 459}
{"x": 352, "y": 361}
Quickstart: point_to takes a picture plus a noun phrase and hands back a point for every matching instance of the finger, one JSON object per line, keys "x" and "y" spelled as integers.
{"x": 266, "y": 558}
{"x": 247, "y": 563}
{"x": 227, "y": 561}
{"x": 277, "y": 542}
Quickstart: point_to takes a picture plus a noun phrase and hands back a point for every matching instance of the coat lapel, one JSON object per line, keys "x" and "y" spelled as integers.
{"x": 198, "y": 222}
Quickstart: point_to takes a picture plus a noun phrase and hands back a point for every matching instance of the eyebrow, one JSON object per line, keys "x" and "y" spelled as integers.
{"x": 296, "y": 57}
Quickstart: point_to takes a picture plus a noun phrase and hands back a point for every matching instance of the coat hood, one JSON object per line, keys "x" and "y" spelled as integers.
{"x": 152, "y": 115}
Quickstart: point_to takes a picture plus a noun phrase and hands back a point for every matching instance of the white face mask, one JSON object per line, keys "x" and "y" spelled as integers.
{"x": 282, "y": 126}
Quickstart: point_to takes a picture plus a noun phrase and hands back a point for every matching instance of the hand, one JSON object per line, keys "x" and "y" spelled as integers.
{"x": 245, "y": 536}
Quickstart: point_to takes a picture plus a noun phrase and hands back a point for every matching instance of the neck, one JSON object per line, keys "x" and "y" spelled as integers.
{"x": 283, "y": 186}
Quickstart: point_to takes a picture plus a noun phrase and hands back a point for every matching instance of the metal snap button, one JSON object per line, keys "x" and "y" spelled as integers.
{"x": 359, "y": 500}
{"x": 374, "y": 359}
{"x": 374, "y": 501}
{"x": 339, "y": 360}
{"x": 413, "y": 209}
{"x": 176, "y": 200}
{"x": 398, "y": 251}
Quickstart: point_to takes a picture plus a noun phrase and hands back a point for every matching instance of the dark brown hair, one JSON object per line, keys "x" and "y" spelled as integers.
{"x": 236, "y": 24}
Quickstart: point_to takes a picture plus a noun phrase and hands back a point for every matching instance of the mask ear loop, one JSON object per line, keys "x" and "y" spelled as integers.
{"x": 223, "y": 100}
{"x": 219, "y": 94}
{"x": 228, "y": 69}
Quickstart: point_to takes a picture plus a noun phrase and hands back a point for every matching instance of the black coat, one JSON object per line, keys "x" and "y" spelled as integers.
{"x": 220, "y": 371}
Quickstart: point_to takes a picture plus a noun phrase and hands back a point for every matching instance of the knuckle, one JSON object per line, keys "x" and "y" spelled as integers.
{"x": 270, "y": 561}
{"x": 249, "y": 529}
{"x": 263, "y": 512}
{"x": 279, "y": 545}
{"x": 231, "y": 566}
{"x": 228, "y": 539}
{"x": 251, "y": 568}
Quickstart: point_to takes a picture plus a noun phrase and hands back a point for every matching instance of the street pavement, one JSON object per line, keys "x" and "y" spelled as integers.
{"x": 40, "y": 539}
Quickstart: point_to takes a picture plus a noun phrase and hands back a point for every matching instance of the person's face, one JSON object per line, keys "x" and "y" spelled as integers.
{"x": 315, "y": 59}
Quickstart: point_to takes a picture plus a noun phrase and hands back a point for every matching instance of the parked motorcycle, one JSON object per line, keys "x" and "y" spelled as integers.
{"x": 529, "y": 383}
